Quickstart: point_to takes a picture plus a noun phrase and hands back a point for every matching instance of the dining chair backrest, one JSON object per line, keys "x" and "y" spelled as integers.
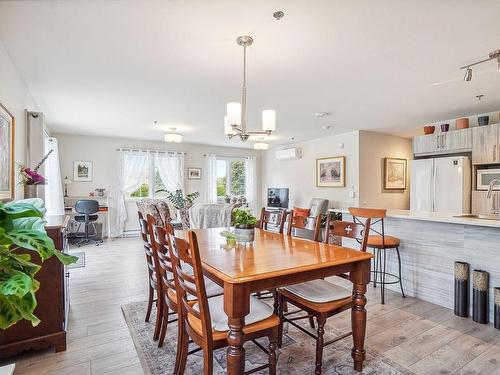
{"x": 301, "y": 222}
{"x": 275, "y": 218}
{"x": 185, "y": 255}
{"x": 146, "y": 241}
{"x": 163, "y": 255}
{"x": 355, "y": 231}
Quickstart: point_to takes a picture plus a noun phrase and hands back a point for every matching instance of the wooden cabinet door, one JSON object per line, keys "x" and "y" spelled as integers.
{"x": 481, "y": 205}
{"x": 457, "y": 140}
{"x": 426, "y": 144}
{"x": 485, "y": 144}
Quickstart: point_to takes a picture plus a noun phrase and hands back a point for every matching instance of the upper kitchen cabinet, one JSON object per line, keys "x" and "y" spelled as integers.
{"x": 485, "y": 144}
{"x": 443, "y": 143}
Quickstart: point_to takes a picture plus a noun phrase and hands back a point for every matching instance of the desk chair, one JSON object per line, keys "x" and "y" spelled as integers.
{"x": 87, "y": 208}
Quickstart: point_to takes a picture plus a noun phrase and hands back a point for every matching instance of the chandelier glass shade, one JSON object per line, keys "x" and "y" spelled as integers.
{"x": 235, "y": 121}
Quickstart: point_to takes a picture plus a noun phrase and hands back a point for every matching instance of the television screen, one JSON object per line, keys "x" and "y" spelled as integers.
{"x": 277, "y": 197}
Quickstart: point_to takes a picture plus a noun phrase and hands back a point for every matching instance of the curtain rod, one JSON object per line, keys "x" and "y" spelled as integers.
{"x": 229, "y": 157}
{"x": 153, "y": 151}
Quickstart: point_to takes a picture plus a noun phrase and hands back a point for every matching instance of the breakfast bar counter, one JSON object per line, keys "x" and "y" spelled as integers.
{"x": 430, "y": 244}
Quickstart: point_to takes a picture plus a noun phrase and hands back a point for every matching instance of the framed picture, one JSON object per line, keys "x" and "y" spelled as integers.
{"x": 82, "y": 170}
{"x": 194, "y": 173}
{"x": 7, "y": 123}
{"x": 330, "y": 172}
{"x": 394, "y": 174}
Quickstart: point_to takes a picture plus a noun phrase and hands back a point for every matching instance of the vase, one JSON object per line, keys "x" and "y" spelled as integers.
{"x": 244, "y": 233}
{"x": 462, "y": 123}
{"x": 480, "y": 281}
{"x": 496, "y": 300}
{"x": 30, "y": 191}
{"x": 483, "y": 120}
{"x": 461, "y": 289}
{"x": 429, "y": 129}
{"x": 445, "y": 127}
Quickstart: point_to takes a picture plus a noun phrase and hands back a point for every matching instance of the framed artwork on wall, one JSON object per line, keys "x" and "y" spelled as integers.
{"x": 82, "y": 170}
{"x": 7, "y": 180}
{"x": 394, "y": 174}
{"x": 330, "y": 172}
{"x": 194, "y": 173}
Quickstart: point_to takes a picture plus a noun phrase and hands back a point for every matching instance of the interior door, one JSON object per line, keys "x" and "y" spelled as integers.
{"x": 421, "y": 185}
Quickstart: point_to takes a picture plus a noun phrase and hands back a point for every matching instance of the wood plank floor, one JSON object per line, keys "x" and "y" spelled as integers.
{"x": 425, "y": 338}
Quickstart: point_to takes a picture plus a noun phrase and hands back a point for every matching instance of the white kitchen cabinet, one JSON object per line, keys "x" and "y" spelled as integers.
{"x": 443, "y": 143}
{"x": 485, "y": 144}
{"x": 481, "y": 205}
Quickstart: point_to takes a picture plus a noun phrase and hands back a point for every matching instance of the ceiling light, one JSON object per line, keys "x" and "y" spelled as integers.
{"x": 468, "y": 75}
{"x": 320, "y": 115}
{"x": 237, "y": 113}
{"x": 173, "y": 137}
{"x": 260, "y": 146}
{"x": 491, "y": 56}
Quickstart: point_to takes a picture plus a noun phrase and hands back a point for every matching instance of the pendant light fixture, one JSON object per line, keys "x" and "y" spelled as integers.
{"x": 235, "y": 122}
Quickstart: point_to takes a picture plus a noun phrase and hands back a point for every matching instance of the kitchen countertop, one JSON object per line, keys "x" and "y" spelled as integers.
{"x": 440, "y": 217}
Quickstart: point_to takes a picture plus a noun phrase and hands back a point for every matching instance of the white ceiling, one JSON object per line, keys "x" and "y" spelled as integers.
{"x": 113, "y": 67}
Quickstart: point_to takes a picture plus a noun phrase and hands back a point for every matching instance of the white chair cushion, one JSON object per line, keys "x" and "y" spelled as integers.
{"x": 319, "y": 291}
{"x": 258, "y": 311}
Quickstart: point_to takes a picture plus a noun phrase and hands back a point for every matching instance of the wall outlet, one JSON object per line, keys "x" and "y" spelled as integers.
{"x": 351, "y": 194}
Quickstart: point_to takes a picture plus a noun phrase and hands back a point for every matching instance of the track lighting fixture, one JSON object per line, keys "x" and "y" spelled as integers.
{"x": 493, "y": 55}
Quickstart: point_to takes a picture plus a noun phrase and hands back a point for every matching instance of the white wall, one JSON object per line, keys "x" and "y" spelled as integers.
{"x": 373, "y": 148}
{"x": 102, "y": 151}
{"x": 15, "y": 96}
{"x": 300, "y": 175}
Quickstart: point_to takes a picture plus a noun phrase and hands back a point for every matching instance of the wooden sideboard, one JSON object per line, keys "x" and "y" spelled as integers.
{"x": 53, "y": 301}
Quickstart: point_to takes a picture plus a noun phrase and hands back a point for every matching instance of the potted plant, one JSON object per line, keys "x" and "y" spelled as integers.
{"x": 22, "y": 228}
{"x": 182, "y": 203}
{"x": 30, "y": 178}
{"x": 244, "y": 225}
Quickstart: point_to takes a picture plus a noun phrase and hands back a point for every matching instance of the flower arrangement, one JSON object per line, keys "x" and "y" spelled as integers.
{"x": 31, "y": 176}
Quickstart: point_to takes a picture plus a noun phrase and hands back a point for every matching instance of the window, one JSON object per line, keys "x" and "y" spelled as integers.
{"x": 230, "y": 177}
{"x": 152, "y": 181}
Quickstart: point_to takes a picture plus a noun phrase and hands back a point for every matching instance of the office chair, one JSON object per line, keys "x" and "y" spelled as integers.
{"x": 88, "y": 208}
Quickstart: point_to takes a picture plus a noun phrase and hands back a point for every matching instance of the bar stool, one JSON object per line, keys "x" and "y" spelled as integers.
{"x": 380, "y": 243}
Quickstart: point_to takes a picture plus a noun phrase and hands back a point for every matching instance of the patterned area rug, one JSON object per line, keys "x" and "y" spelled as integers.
{"x": 295, "y": 357}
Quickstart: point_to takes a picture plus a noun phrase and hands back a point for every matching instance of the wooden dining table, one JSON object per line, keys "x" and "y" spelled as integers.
{"x": 275, "y": 260}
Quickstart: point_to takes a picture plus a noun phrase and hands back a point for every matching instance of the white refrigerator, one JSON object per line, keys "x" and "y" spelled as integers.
{"x": 441, "y": 185}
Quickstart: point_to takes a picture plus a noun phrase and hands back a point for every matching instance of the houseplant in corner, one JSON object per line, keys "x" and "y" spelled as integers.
{"x": 22, "y": 230}
{"x": 244, "y": 225}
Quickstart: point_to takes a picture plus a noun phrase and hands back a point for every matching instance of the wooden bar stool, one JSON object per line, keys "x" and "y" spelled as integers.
{"x": 205, "y": 321}
{"x": 380, "y": 243}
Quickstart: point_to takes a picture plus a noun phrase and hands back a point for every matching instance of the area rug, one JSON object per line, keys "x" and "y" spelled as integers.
{"x": 80, "y": 263}
{"x": 296, "y": 356}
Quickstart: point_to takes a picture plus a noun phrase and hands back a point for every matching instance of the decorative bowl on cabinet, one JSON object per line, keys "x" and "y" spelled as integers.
{"x": 429, "y": 129}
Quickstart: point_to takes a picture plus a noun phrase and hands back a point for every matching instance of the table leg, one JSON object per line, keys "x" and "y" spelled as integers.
{"x": 236, "y": 306}
{"x": 360, "y": 278}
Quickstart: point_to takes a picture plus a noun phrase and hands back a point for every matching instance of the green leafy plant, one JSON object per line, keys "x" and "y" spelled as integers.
{"x": 22, "y": 228}
{"x": 243, "y": 218}
{"x": 179, "y": 200}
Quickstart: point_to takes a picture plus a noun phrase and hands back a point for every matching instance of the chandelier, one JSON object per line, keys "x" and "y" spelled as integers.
{"x": 235, "y": 121}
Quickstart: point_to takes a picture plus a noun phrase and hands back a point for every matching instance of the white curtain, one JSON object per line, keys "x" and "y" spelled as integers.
{"x": 210, "y": 193}
{"x": 54, "y": 201}
{"x": 251, "y": 183}
{"x": 171, "y": 168}
{"x": 131, "y": 173}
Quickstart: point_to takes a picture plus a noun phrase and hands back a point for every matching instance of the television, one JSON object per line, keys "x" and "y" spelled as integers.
{"x": 277, "y": 197}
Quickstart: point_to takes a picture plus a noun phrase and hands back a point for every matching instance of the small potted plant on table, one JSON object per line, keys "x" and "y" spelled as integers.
{"x": 244, "y": 225}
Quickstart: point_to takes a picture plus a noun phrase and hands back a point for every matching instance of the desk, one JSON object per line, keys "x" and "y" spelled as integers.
{"x": 69, "y": 208}
{"x": 276, "y": 260}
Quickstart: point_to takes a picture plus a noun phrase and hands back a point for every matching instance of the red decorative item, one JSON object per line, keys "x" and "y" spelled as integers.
{"x": 429, "y": 129}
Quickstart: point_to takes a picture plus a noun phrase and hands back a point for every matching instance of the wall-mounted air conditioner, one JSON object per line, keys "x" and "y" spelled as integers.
{"x": 289, "y": 154}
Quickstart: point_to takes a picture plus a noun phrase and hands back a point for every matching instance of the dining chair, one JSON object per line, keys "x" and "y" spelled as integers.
{"x": 152, "y": 275}
{"x": 380, "y": 242}
{"x": 320, "y": 298}
{"x": 205, "y": 322}
{"x": 302, "y": 224}
{"x": 275, "y": 218}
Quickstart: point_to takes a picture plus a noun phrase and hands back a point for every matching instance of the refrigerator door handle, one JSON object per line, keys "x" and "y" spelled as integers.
{"x": 433, "y": 192}
{"x": 437, "y": 141}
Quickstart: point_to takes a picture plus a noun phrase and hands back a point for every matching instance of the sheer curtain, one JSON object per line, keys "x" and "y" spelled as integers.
{"x": 251, "y": 183}
{"x": 210, "y": 193}
{"x": 171, "y": 169}
{"x": 54, "y": 201}
{"x": 131, "y": 171}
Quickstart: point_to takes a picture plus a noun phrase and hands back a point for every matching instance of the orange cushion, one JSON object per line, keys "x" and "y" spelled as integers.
{"x": 297, "y": 211}
{"x": 389, "y": 241}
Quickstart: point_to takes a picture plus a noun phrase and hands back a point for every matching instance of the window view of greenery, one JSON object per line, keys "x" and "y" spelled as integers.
{"x": 230, "y": 177}
{"x": 143, "y": 190}
{"x": 159, "y": 185}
